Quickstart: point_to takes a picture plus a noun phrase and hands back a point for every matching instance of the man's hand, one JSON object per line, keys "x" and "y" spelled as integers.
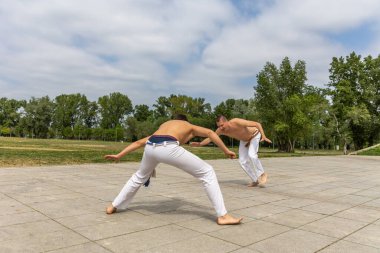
{"x": 195, "y": 144}
{"x": 231, "y": 154}
{"x": 112, "y": 158}
{"x": 264, "y": 138}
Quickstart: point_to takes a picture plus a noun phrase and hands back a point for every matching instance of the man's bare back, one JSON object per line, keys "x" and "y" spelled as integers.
{"x": 236, "y": 131}
{"x": 240, "y": 129}
{"x": 179, "y": 129}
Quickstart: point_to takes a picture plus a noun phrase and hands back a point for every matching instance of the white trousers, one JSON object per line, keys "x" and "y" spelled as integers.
{"x": 249, "y": 160}
{"x": 177, "y": 156}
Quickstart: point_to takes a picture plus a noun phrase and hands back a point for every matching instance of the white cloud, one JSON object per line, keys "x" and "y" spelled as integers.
{"x": 297, "y": 29}
{"x": 99, "y": 47}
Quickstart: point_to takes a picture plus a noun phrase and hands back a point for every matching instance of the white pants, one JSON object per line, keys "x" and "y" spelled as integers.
{"x": 248, "y": 159}
{"x": 175, "y": 155}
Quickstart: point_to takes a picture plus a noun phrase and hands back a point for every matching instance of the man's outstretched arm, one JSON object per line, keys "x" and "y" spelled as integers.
{"x": 205, "y": 141}
{"x": 132, "y": 147}
{"x": 214, "y": 137}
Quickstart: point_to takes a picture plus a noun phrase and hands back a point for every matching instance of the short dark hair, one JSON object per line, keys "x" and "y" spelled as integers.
{"x": 180, "y": 116}
{"x": 221, "y": 117}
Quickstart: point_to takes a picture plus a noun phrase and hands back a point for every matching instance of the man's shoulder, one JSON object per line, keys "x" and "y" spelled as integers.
{"x": 237, "y": 120}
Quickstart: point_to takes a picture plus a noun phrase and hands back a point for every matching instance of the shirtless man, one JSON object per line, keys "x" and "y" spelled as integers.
{"x": 249, "y": 133}
{"x": 163, "y": 146}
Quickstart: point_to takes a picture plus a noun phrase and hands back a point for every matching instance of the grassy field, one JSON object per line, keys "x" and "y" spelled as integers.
{"x": 374, "y": 151}
{"x": 37, "y": 152}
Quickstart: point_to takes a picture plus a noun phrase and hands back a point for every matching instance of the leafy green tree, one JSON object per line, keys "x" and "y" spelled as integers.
{"x": 10, "y": 112}
{"x": 144, "y": 129}
{"x": 5, "y": 131}
{"x": 142, "y": 112}
{"x": 161, "y": 107}
{"x": 88, "y": 113}
{"x": 236, "y": 108}
{"x": 174, "y": 104}
{"x": 372, "y": 97}
{"x": 354, "y": 89}
{"x": 114, "y": 109}
{"x": 131, "y": 129}
{"x": 73, "y": 110}
{"x": 97, "y": 133}
{"x": 285, "y": 103}
{"x": 37, "y": 117}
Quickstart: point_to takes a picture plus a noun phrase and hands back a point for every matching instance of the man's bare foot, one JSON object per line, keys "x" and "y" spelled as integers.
{"x": 111, "y": 209}
{"x": 253, "y": 184}
{"x": 263, "y": 179}
{"x": 228, "y": 220}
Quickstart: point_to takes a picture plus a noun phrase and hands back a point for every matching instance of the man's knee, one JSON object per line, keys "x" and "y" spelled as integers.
{"x": 208, "y": 174}
{"x": 138, "y": 179}
{"x": 243, "y": 161}
{"x": 253, "y": 156}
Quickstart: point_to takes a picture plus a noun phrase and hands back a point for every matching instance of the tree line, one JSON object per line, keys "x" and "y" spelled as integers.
{"x": 294, "y": 114}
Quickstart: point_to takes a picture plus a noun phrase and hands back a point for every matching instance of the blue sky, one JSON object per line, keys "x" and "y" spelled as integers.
{"x": 146, "y": 49}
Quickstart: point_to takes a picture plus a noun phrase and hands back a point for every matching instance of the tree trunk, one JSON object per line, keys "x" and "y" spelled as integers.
{"x": 345, "y": 147}
{"x": 286, "y": 145}
{"x": 282, "y": 147}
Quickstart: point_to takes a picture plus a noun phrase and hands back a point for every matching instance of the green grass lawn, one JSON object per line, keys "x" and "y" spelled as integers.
{"x": 37, "y": 152}
{"x": 374, "y": 152}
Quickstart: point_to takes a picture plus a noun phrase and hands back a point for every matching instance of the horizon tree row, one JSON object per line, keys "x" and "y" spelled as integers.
{"x": 294, "y": 113}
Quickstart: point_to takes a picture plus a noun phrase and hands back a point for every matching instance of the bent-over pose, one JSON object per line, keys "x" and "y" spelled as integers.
{"x": 249, "y": 133}
{"x": 163, "y": 147}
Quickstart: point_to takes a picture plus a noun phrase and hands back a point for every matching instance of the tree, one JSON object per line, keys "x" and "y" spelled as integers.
{"x": 37, "y": 117}
{"x": 285, "y": 103}
{"x": 66, "y": 112}
{"x": 355, "y": 90}
{"x": 10, "y": 112}
{"x": 236, "y": 108}
{"x": 174, "y": 104}
{"x": 114, "y": 109}
{"x": 73, "y": 110}
{"x": 88, "y": 113}
{"x": 142, "y": 112}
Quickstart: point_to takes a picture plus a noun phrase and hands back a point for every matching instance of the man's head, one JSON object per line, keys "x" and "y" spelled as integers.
{"x": 222, "y": 122}
{"x": 180, "y": 117}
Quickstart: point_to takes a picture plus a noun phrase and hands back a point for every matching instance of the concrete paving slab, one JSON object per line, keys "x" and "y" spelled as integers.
{"x": 202, "y": 243}
{"x": 369, "y": 235}
{"x": 294, "y": 218}
{"x": 293, "y": 242}
{"x": 310, "y": 204}
{"x": 148, "y": 239}
{"x": 116, "y": 228}
{"x": 334, "y": 226}
{"x": 83, "y": 248}
{"x": 20, "y": 218}
{"x": 360, "y": 213}
{"x": 249, "y": 233}
{"x": 349, "y": 247}
{"x": 245, "y": 250}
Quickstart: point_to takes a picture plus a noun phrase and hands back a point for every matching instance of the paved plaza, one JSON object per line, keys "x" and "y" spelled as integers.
{"x": 310, "y": 204}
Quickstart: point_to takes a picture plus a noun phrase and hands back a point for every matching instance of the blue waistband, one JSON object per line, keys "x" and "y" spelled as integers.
{"x": 161, "y": 138}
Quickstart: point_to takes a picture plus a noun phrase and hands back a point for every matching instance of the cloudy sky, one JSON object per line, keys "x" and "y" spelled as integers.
{"x": 150, "y": 48}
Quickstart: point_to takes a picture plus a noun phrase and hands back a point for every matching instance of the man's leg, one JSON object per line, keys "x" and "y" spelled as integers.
{"x": 190, "y": 163}
{"x": 245, "y": 163}
{"x": 252, "y": 153}
{"x": 134, "y": 183}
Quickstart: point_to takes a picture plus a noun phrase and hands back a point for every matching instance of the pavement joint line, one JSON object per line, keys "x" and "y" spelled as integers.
{"x": 52, "y": 219}
{"x": 298, "y": 228}
{"x": 347, "y": 181}
{"x": 342, "y": 239}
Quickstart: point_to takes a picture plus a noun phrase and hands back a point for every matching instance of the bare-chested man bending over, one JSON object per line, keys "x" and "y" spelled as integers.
{"x": 249, "y": 133}
{"x": 163, "y": 147}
